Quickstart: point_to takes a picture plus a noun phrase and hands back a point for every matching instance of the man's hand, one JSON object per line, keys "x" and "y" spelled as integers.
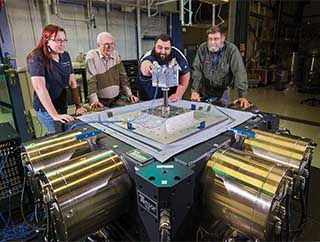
{"x": 146, "y": 68}
{"x": 195, "y": 97}
{"x": 175, "y": 97}
{"x": 243, "y": 102}
{"x": 80, "y": 110}
{"x": 133, "y": 99}
{"x": 96, "y": 105}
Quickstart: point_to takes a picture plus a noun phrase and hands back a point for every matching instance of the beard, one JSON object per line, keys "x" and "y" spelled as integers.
{"x": 159, "y": 59}
{"x": 214, "y": 48}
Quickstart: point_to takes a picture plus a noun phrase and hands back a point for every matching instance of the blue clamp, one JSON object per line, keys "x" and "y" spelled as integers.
{"x": 202, "y": 125}
{"x": 211, "y": 99}
{"x": 245, "y": 133}
{"x": 193, "y": 107}
{"x": 88, "y": 134}
{"x": 130, "y": 126}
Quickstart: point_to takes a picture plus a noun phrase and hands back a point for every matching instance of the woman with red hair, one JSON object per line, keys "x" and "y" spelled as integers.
{"x": 51, "y": 73}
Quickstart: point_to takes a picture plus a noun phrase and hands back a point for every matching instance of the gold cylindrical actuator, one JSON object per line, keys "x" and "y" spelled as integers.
{"x": 86, "y": 193}
{"x": 286, "y": 150}
{"x": 45, "y": 152}
{"x": 243, "y": 190}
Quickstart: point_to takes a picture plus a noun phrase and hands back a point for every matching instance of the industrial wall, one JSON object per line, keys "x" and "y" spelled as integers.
{"x": 28, "y": 17}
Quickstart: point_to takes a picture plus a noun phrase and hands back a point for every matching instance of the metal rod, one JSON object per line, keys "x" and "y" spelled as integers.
{"x": 213, "y": 14}
{"x": 166, "y": 98}
{"x": 164, "y": 2}
{"x": 182, "y": 12}
{"x": 190, "y": 12}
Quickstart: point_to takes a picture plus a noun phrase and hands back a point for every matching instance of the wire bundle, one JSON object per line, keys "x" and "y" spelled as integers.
{"x": 9, "y": 230}
{"x": 16, "y": 231}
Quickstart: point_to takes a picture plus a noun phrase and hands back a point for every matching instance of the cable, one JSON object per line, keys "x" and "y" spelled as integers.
{"x": 142, "y": 116}
{"x": 11, "y": 231}
{"x": 94, "y": 122}
{"x": 21, "y": 204}
{"x": 288, "y": 215}
{"x": 6, "y": 221}
{"x": 197, "y": 11}
{"x": 136, "y": 120}
{"x": 303, "y": 218}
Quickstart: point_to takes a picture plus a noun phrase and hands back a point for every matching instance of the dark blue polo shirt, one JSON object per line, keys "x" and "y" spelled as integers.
{"x": 57, "y": 76}
{"x": 146, "y": 89}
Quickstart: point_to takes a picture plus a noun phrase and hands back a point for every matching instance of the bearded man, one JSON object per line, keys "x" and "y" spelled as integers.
{"x": 163, "y": 52}
{"x": 217, "y": 66}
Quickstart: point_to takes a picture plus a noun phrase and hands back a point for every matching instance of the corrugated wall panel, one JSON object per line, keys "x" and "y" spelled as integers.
{"x": 26, "y": 26}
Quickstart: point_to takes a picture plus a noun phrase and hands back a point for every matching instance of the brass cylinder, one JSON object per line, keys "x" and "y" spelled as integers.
{"x": 45, "y": 152}
{"x": 283, "y": 149}
{"x": 86, "y": 193}
{"x": 242, "y": 190}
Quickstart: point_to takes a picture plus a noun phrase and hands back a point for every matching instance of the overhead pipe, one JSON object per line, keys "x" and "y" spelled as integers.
{"x": 91, "y": 22}
{"x": 117, "y": 2}
{"x": 149, "y": 7}
{"x": 47, "y": 19}
{"x": 170, "y": 24}
{"x": 106, "y": 12}
{"x": 57, "y": 12}
{"x": 213, "y": 14}
{"x": 190, "y": 12}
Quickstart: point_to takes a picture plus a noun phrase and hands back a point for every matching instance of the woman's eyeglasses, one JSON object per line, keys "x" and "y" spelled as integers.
{"x": 60, "y": 41}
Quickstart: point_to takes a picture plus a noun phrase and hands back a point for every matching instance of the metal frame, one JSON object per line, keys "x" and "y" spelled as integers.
{"x": 12, "y": 79}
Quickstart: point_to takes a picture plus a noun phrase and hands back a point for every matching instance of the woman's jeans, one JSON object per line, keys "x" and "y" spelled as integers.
{"x": 49, "y": 123}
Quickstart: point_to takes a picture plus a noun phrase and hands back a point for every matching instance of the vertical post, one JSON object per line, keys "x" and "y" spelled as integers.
{"x": 46, "y": 12}
{"x": 213, "y": 14}
{"x": 190, "y": 12}
{"x": 232, "y": 20}
{"x": 176, "y": 30}
{"x": 139, "y": 30}
{"x": 277, "y": 34}
{"x": 182, "y": 12}
{"x": 12, "y": 78}
{"x": 241, "y": 28}
{"x": 170, "y": 24}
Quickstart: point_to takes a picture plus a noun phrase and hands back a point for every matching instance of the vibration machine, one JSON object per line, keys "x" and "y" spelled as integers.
{"x": 161, "y": 171}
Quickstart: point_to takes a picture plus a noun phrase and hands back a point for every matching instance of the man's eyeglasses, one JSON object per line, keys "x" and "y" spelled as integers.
{"x": 107, "y": 44}
{"x": 60, "y": 41}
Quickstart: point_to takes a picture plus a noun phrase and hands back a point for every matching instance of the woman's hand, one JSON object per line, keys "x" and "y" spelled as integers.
{"x": 63, "y": 118}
